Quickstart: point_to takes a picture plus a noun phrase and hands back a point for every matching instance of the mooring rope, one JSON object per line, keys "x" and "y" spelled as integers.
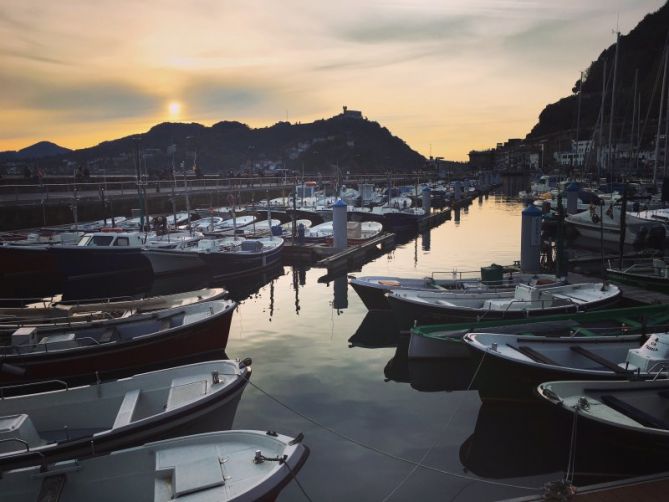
{"x": 388, "y": 454}
{"x": 446, "y": 425}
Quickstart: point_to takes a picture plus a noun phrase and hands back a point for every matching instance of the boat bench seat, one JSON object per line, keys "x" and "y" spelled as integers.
{"x": 166, "y": 314}
{"x": 533, "y": 354}
{"x": 581, "y": 331}
{"x": 570, "y": 298}
{"x": 496, "y": 305}
{"x": 193, "y": 471}
{"x": 185, "y": 390}
{"x": 127, "y": 409}
{"x": 600, "y": 360}
{"x": 631, "y": 411}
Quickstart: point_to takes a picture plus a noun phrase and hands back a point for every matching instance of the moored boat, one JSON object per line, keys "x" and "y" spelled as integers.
{"x": 54, "y": 312}
{"x": 526, "y": 300}
{"x": 439, "y": 341}
{"x": 97, "y": 254}
{"x": 650, "y": 274}
{"x": 213, "y": 467}
{"x": 236, "y": 256}
{"x": 632, "y": 415}
{"x": 76, "y": 422}
{"x": 604, "y": 223}
{"x": 117, "y": 348}
{"x": 320, "y": 232}
{"x": 373, "y": 290}
{"x": 513, "y": 365}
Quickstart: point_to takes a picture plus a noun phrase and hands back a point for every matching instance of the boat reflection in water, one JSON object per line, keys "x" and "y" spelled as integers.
{"x": 139, "y": 285}
{"x": 432, "y": 375}
{"x": 513, "y": 440}
{"x": 377, "y": 330}
{"x": 246, "y": 287}
{"x": 397, "y": 369}
{"x": 426, "y": 239}
{"x": 122, "y": 284}
{"x": 340, "y": 289}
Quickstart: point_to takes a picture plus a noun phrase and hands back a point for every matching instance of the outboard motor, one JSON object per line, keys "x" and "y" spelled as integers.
{"x": 652, "y": 357}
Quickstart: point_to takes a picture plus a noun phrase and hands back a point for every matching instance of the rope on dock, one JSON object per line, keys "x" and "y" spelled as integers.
{"x": 389, "y": 454}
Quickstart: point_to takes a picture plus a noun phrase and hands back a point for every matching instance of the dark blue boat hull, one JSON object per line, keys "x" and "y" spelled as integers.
{"x": 229, "y": 265}
{"x": 76, "y": 262}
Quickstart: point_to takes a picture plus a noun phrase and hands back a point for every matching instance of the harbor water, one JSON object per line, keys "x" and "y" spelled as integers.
{"x": 379, "y": 427}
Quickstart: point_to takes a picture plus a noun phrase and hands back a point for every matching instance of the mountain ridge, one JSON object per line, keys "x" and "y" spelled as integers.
{"x": 342, "y": 142}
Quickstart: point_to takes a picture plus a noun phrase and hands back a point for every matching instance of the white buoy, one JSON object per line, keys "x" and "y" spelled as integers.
{"x": 339, "y": 225}
{"x": 530, "y": 240}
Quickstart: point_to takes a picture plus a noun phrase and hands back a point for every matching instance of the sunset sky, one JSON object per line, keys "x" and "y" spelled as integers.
{"x": 446, "y": 76}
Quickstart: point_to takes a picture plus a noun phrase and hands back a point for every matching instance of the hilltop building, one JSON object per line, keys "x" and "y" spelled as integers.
{"x": 350, "y": 114}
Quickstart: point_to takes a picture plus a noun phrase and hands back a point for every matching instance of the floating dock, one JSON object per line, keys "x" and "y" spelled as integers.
{"x": 632, "y": 294}
{"x": 328, "y": 257}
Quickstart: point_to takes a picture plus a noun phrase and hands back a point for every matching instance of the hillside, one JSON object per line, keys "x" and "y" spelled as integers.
{"x": 640, "y": 49}
{"x": 37, "y": 151}
{"x": 349, "y": 143}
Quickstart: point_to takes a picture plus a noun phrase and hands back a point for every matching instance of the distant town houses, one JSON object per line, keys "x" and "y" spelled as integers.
{"x": 560, "y": 152}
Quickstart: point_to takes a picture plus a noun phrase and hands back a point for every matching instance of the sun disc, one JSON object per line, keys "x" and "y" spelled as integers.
{"x": 174, "y": 108}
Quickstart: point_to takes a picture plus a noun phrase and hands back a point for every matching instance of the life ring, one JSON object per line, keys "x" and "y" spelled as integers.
{"x": 595, "y": 217}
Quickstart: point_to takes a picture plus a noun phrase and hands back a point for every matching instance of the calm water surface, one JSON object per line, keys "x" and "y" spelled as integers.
{"x": 344, "y": 379}
{"x": 297, "y": 330}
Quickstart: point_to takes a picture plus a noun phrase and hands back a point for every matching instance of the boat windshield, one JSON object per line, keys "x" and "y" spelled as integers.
{"x": 96, "y": 240}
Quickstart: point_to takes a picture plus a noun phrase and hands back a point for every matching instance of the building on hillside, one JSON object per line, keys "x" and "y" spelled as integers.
{"x": 576, "y": 156}
{"x": 482, "y": 160}
{"x": 350, "y": 114}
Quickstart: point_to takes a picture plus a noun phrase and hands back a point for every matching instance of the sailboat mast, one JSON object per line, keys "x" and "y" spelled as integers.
{"x": 601, "y": 125}
{"x": 666, "y": 133}
{"x": 632, "y": 143}
{"x": 578, "y": 122}
{"x": 659, "y": 115}
{"x": 609, "y": 157}
{"x": 139, "y": 186}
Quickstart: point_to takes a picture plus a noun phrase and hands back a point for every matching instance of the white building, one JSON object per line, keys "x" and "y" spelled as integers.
{"x": 576, "y": 156}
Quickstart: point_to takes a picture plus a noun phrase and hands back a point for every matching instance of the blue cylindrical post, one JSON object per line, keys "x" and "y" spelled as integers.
{"x": 426, "y": 200}
{"x": 572, "y": 198}
{"x": 530, "y": 240}
{"x": 457, "y": 190}
{"x": 339, "y": 224}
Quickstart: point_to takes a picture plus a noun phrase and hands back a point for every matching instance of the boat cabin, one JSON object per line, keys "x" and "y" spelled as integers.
{"x": 306, "y": 190}
{"x": 110, "y": 239}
